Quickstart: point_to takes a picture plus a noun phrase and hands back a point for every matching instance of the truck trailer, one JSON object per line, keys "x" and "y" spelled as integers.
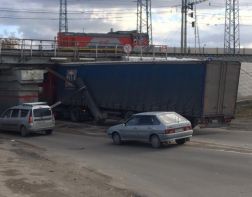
{"x": 202, "y": 91}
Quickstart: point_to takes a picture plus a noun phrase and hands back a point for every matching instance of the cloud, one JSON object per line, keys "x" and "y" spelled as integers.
{"x": 102, "y": 15}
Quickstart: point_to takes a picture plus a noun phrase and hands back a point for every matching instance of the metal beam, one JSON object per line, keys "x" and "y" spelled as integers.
{"x": 144, "y": 18}
{"x": 232, "y": 27}
{"x": 186, "y": 5}
{"x": 63, "y": 19}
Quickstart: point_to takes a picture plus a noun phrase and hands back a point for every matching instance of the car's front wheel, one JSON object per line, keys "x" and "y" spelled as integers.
{"x": 155, "y": 141}
{"x": 181, "y": 141}
{"x": 116, "y": 138}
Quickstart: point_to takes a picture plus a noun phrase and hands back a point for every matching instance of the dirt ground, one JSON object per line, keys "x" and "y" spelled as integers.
{"x": 28, "y": 171}
{"x": 243, "y": 116}
{"x": 244, "y": 110}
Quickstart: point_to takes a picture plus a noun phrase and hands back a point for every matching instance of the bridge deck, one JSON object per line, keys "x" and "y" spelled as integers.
{"x": 32, "y": 51}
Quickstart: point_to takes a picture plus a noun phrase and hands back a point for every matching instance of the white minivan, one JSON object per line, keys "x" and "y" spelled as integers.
{"x": 28, "y": 118}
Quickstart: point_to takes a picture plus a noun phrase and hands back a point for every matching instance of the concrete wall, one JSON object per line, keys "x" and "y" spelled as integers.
{"x": 19, "y": 86}
{"x": 245, "y": 85}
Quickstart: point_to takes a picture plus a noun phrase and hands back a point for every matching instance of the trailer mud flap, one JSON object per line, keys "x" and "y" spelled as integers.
{"x": 95, "y": 111}
{"x": 81, "y": 88}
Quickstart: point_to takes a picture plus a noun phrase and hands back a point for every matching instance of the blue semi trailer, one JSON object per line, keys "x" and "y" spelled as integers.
{"x": 203, "y": 91}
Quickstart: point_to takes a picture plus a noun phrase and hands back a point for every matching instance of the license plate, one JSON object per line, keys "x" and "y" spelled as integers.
{"x": 179, "y": 130}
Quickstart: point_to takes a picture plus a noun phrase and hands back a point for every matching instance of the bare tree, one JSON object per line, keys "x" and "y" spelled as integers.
{"x": 9, "y": 43}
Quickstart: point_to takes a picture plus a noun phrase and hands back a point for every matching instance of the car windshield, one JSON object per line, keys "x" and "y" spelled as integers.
{"x": 171, "y": 118}
{"x": 42, "y": 112}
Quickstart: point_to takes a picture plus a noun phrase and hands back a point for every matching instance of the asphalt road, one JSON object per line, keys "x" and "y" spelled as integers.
{"x": 215, "y": 163}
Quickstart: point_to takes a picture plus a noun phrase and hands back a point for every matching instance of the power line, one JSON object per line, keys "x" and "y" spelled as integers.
{"x": 53, "y": 19}
{"x": 108, "y": 10}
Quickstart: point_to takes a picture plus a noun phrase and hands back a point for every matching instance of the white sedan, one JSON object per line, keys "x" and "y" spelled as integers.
{"x": 153, "y": 127}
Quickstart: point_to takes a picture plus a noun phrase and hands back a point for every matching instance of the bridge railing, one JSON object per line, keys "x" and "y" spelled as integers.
{"x": 33, "y": 47}
{"x": 26, "y": 46}
{"x": 56, "y": 48}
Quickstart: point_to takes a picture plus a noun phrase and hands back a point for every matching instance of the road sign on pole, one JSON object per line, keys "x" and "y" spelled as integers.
{"x": 127, "y": 48}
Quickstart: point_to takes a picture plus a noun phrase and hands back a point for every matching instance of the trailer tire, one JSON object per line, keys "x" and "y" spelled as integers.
{"x": 49, "y": 132}
{"x": 75, "y": 115}
{"x": 181, "y": 141}
{"x": 100, "y": 122}
{"x": 194, "y": 121}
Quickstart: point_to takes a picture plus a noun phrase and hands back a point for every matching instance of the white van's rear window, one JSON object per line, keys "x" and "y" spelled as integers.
{"x": 42, "y": 112}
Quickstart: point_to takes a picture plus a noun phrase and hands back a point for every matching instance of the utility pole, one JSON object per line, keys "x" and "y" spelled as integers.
{"x": 184, "y": 26}
{"x": 195, "y": 25}
{"x": 144, "y": 18}
{"x": 63, "y": 20}
{"x": 186, "y": 5}
{"x": 232, "y": 27}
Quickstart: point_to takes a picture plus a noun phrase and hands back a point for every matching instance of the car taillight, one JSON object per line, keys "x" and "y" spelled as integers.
{"x": 187, "y": 128}
{"x": 169, "y": 131}
{"x": 30, "y": 120}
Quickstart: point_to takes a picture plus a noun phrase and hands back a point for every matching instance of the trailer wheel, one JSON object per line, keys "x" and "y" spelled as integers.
{"x": 49, "y": 132}
{"x": 75, "y": 115}
{"x": 194, "y": 122}
{"x": 100, "y": 122}
{"x": 181, "y": 141}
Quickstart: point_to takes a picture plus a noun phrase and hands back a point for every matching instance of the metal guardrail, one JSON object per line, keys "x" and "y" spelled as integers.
{"x": 50, "y": 48}
{"x": 33, "y": 47}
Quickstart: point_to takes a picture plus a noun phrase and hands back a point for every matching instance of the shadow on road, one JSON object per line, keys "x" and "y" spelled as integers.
{"x": 136, "y": 144}
{"x": 209, "y": 131}
{"x": 16, "y": 134}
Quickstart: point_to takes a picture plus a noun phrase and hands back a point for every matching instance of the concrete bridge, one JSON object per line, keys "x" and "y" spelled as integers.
{"x": 27, "y": 51}
{"x": 23, "y": 63}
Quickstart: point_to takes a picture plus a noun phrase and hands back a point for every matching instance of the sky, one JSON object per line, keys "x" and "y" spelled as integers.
{"x": 38, "y": 19}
